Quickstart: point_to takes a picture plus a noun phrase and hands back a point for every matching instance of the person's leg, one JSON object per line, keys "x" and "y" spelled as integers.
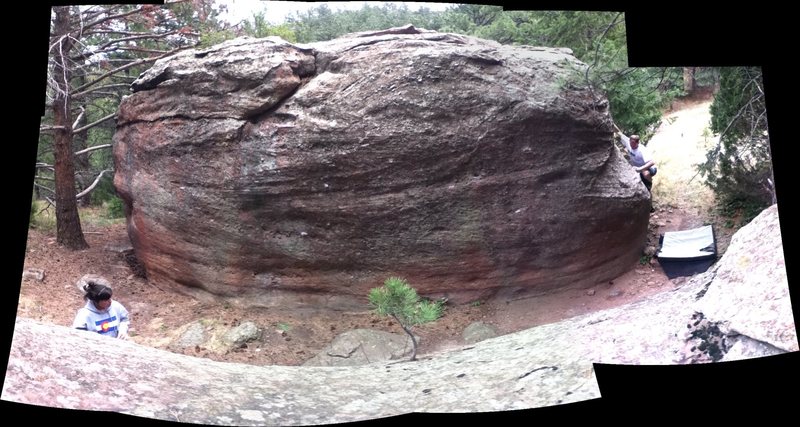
{"x": 646, "y": 179}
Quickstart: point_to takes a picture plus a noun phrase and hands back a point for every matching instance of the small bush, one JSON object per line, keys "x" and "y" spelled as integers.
{"x": 400, "y": 301}
{"x": 115, "y": 208}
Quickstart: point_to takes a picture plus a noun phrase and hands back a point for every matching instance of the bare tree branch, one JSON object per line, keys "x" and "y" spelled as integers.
{"x": 124, "y": 14}
{"x": 110, "y": 60}
{"x": 109, "y": 46}
{"x": 663, "y": 76}
{"x": 143, "y": 50}
{"x": 116, "y": 70}
{"x": 597, "y": 53}
{"x": 122, "y": 68}
{"x": 96, "y": 147}
{"x": 80, "y": 117}
{"x": 49, "y": 203}
{"x": 110, "y": 18}
{"x": 104, "y": 93}
{"x": 94, "y": 184}
{"x": 141, "y": 37}
{"x": 111, "y": 86}
{"x": 51, "y": 128}
{"x": 736, "y": 117}
{"x": 41, "y": 165}
{"x": 45, "y": 188}
{"x": 92, "y": 13}
{"x": 46, "y": 178}
{"x": 91, "y": 125}
{"x": 714, "y": 153}
{"x": 120, "y": 32}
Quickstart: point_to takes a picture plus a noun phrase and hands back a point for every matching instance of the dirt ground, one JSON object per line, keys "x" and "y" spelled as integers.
{"x": 291, "y": 337}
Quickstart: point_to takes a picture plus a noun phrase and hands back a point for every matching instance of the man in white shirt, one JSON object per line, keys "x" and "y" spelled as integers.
{"x": 639, "y": 158}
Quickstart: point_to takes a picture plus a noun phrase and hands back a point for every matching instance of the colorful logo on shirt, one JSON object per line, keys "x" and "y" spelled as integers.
{"x": 106, "y": 325}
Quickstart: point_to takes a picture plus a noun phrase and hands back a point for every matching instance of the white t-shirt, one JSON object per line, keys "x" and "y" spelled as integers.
{"x": 639, "y": 156}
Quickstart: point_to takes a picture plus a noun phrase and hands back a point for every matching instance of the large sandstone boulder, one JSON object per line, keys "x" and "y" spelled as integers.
{"x": 289, "y": 174}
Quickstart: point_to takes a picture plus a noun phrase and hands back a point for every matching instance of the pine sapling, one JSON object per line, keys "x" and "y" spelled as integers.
{"x": 396, "y": 298}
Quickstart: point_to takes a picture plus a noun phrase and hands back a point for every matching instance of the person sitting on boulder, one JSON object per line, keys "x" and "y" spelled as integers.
{"x": 639, "y": 158}
{"x": 101, "y": 314}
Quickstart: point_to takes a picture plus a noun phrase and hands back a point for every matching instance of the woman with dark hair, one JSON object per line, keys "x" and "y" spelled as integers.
{"x": 101, "y": 314}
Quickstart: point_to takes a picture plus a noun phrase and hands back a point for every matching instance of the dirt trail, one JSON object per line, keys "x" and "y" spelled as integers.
{"x": 680, "y": 143}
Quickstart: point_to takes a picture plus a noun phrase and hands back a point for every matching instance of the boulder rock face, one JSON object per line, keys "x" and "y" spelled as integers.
{"x": 755, "y": 258}
{"x": 299, "y": 175}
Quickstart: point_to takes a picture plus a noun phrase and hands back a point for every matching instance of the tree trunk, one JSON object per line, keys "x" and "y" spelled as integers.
{"x": 688, "y": 80}
{"x": 413, "y": 342}
{"x": 68, "y": 222}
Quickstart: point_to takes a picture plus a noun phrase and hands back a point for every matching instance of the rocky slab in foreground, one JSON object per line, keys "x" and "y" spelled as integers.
{"x": 305, "y": 175}
{"x": 754, "y": 257}
{"x": 542, "y": 366}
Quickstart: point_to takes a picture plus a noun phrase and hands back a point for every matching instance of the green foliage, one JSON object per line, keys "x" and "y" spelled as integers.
{"x": 399, "y": 300}
{"x": 644, "y": 259}
{"x": 283, "y": 31}
{"x": 321, "y": 23}
{"x": 594, "y": 37}
{"x": 739, "y": 212}
{"x": 115, "y": 208}
{"x": 706, "y": 76}
{"x": 283, "y": 326}
{"x": 203, "y": 17}
{"x": 638, "y": 97}
{"x": 104, "y": 192}
{"x": 213, "y": 37}
{"x": 474, "y": 19}
{"x": 739, "y": 168}
{"x": 259, "y": 27}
